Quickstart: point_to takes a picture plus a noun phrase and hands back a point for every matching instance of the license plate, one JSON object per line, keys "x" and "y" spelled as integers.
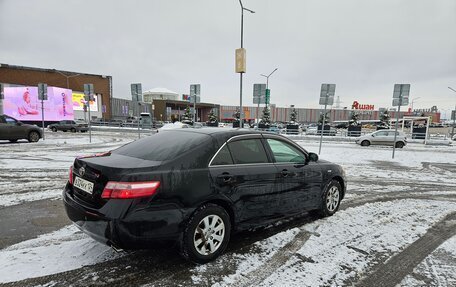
{"x": 83, "y": 184}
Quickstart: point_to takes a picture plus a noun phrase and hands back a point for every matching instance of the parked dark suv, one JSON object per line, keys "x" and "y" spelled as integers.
{"x": 72, "y": 126}
{"x": 13, "y": 130}
{"x": 196, "y": 187}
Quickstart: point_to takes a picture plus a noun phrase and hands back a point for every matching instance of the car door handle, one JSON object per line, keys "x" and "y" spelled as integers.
{"x": 225, "y": 178}
{"x": 285, "y": 173}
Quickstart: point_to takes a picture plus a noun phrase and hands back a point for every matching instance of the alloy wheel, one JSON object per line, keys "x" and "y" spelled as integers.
{"x": 34, "y": 137}
{"x": 332, "y": 200}
{"x": 209, "y": 234}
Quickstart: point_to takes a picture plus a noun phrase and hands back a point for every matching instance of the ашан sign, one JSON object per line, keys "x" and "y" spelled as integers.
{"x": 358, "y": 106}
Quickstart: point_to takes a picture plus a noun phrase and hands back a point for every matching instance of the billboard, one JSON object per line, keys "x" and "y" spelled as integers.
{"x": 22, "y": 103}
{"x": 78, "y": 102}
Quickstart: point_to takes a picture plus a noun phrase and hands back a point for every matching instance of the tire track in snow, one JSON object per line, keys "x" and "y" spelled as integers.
{"x": 257, "y": 276}
{"x": 400, "y": 265}
{"x": 166, "y": 268}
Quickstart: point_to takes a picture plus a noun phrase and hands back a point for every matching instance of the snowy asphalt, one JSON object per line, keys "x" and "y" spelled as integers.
{"x": 397, "y": 226}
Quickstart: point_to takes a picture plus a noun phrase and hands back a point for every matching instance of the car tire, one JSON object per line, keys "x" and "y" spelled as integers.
{"x": 33, "y": 136}
{"x": 365, "y": 143}
{"x": 13, "y": 141}
{"x": 73, "y": 130}
{"x": 399, "y": 145}
{"x": 54, "y": 129}
{"x": 209, "y": 219}
{"x": 331, "y": 199}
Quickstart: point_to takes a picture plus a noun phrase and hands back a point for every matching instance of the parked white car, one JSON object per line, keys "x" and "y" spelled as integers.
{"x": 172, "y": 126}
{"x": 383, "y": 137}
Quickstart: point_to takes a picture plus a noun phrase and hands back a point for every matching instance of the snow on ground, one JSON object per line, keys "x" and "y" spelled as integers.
{"x": 59, "y": 251}
{"x": 18, "y": 198}
{"x": 34, "y": 171}
{"x": 374, "y": 162}
{"x": 344, "y": 245}
{"x": 249, "y": 262}
{"x": 438, "y": 269}
{"x": 339, "y": 248}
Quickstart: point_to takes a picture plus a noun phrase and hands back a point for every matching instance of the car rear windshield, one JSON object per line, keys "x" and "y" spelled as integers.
{"x": 163, "y": 146}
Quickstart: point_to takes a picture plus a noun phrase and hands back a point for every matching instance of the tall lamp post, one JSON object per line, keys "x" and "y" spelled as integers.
{"x": 241, "y": 123}
{"x": 67, "y": 77}
{"x": 267, "y": 87}
{"x": 413, "y": 100}
{"x": 454, "y": 118}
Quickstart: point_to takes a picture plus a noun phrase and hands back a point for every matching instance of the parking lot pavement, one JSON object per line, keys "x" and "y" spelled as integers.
{"x": 395, "y": 227}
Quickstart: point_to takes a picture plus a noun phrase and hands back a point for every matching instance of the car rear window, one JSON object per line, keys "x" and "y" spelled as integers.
{"x": 163, "y": 146}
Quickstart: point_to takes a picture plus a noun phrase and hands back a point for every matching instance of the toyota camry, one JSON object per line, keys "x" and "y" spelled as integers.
{"x": 195, "y": 187}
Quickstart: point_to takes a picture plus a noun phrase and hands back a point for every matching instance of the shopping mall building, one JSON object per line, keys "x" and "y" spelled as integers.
{"x": 161, "y": 103}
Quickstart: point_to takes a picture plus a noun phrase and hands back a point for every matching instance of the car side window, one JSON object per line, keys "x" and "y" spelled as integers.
{"x": 10, "y": 121}
{"x": 284, "y": 152}
{"x": 223, "y": 157}
{"x": 391, "y": 134}
{"x": 382, "y": 134}
{"x": 248, "y": 151}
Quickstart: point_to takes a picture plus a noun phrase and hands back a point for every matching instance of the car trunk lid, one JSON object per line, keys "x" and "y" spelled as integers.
{"x": 101, "y": 168}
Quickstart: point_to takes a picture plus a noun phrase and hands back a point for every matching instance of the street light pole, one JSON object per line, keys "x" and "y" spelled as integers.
{"x": 67, "y": 77}
{"x": 267, "y": 87}
{"x": 241, "y": 123}
{"x": 454, "y": 119}
{"x": 68, "y": 86}
{"x": 413, "y": 100}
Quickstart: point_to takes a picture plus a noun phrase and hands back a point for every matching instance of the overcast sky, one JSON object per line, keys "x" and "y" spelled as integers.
{"x": 364, "y": 47}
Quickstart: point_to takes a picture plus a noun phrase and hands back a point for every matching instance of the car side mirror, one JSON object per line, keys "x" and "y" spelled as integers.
{"x": 373, "y": 136}
{"x": 19, "y": 123}
{"x": 313, "y": 157}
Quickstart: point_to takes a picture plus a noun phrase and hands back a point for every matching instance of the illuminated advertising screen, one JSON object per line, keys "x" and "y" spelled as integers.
{"x": 78, "y": 102}
{"x": 22, "y": 103}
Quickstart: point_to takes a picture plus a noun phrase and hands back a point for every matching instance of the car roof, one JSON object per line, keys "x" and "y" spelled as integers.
{"x": 217, "y": 131}
{"x": 221, "y": 135}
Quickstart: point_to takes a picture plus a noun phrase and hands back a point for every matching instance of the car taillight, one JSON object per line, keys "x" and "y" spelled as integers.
{"x": 70, "y": 175}
{"x": 125, "y": 190}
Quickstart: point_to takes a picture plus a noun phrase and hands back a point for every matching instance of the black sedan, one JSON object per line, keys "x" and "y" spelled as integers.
{"x": 14, "y": 130}
{"x": 196, "y": 187}
{"x": 68, "y": 125}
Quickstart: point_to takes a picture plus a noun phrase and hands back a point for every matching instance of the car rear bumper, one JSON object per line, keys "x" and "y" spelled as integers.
{"x": 122, "y": 225}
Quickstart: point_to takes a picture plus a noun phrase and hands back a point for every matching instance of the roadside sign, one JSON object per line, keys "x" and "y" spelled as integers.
{"x": 240, "y": 60}
{"x": 2, "y": 95}
{"x": 400, "y": 98}
{"x": 401, "y": 95}
{"x": 259, "y": 93}
{"x": 327, "y": 93}
{"x": 88, "y": 92}
{"x": 42, "y": 92}
{"x": 195, "y": 92}
{"x": 267, "y": 96}
{"x": 136, "y": 92}
{"x": 399, "y": 89}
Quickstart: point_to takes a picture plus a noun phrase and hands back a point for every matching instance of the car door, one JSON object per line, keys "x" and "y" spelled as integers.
{"x": 67, "y": 125}
{"x": 13, "y": 130}
{"x": 379, "y": 138}
{"x": 4, "y": 129}
{"x": 298, "y": 180}
{"x": 391, "y": 137}
{"x": 242, "y": 171}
